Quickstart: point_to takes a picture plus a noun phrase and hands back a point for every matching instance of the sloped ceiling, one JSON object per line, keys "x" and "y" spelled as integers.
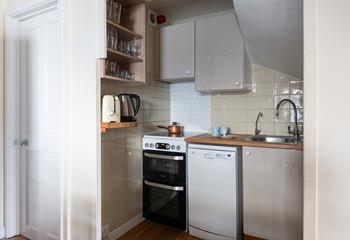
{"x": 183, "y": 9}
{"x": 273, "y": 31}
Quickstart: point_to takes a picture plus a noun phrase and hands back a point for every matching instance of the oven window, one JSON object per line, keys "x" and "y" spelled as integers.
{"x": 164, "y": 166}
{"x": 164, "y": 202}
{"x": 159, "y": 168}
{"x": 164, "y": 205}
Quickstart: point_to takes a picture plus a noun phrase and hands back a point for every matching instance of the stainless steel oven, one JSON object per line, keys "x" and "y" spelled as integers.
{"x": 164, "y": 187}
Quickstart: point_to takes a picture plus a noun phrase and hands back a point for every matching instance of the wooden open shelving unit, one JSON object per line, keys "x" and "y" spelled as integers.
{"x": 105, "y": 126}
{"x": 132, "y": 26}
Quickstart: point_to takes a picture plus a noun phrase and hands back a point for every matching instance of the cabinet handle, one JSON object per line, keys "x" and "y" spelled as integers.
{"x": 238, "y": 84}
{"x": 188, "y": 72}
{"x": 248, "y": 153}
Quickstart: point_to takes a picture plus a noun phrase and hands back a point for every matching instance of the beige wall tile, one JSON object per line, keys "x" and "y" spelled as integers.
{"x": 267, "y": 102}
{"x": 269, "y": 87}
{"x": 281, "y": 77}
{"x": 256, "y": 76}
{"x": 266, "y": 75}
{"x": 253, "y": 102}
{"x": 281, "y": 88}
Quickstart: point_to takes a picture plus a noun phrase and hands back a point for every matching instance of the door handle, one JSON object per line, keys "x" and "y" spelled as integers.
{"x": 166, "y": 157}
{"x": 23, "y": 142}
{"x": 152, "y": 184}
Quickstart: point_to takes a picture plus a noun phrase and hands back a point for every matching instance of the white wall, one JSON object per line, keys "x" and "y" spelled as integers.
{"x": 189, "y": 107}
{"x": 81, "y": 216}
{"x": 15, "y": 5}
{"x": 327, "y": 86}
{"x": 2, "y": 6}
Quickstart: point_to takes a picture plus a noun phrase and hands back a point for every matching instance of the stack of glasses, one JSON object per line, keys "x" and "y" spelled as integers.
{"x": 116, "y": 69}
{"x": 131, "y": 47}
{"x": 114, "y": 11}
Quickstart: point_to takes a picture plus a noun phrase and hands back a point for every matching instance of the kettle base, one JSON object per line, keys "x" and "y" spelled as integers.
{"x": 127, "y": 119}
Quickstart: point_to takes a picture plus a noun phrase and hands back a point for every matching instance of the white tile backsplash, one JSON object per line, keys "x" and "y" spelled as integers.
{"x": 190, "y": 108}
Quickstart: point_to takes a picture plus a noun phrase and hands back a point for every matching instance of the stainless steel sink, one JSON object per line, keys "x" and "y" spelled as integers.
{"x": 272, "y": 139}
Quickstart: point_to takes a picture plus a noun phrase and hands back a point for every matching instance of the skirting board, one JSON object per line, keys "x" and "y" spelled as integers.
{"x": 2, "y": 232}
{"x": 126, "y": 227}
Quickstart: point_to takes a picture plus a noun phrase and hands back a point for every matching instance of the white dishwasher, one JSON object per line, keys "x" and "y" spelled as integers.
{"x": 215, "y": 192}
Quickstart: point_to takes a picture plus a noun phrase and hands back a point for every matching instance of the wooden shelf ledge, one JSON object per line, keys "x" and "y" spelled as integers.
{"x": 123, "y": 32}
{"x": 105, "y": 126}
{"x": 122, "y": 81}
{"x": 121, "y": 57}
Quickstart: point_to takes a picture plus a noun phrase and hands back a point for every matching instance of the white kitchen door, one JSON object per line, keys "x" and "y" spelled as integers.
{"x": 40, "y": 126}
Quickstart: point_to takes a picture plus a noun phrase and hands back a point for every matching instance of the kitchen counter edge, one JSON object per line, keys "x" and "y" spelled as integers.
{"x": 240, "y": 140}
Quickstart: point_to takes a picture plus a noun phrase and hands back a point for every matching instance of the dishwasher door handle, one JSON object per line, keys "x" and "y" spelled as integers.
{"x": 173, "y": 188}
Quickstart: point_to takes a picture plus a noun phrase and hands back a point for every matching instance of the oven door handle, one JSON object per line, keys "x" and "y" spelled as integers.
{"x": 166, "y": 157}
{"x": 152, "y": 184}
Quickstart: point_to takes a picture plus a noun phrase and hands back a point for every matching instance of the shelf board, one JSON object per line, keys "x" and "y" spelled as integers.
{"x": 123, "y": 31}
{"x": 128, "y": 3}
{"x": 121, "y": 57}
{"x": 105, "y": 126}
{"x": 122, "y": 80}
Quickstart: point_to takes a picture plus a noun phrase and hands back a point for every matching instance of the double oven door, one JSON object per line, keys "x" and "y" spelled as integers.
{"x": 164, "y": 188}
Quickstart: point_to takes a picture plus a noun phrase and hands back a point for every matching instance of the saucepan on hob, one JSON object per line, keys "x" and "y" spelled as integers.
{"x": 174, "y": 129}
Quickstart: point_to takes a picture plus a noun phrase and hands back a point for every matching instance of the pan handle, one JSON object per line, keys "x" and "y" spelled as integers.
{"x": 164, "y": 127}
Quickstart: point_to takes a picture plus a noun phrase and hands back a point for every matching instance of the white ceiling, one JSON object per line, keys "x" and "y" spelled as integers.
{"x": 273, "y": 31}
{"x": 177, "y": 10}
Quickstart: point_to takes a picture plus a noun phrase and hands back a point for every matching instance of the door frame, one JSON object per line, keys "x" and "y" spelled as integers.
{"x": 11, "y": 126}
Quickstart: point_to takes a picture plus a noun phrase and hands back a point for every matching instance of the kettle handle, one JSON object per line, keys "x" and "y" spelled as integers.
{"x": 137, "y": 102}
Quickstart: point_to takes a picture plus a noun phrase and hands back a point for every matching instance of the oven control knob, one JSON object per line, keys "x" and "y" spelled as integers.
{"x": 152, "y": 145}
{"x": 173, "y": 147}
{"x": 167, "y": 147}
{"x": 178, "y": 147}
{"x": 157, "y": 145}
{"x": 147, "y": 145}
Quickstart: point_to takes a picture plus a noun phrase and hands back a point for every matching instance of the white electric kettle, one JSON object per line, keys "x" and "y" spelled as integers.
{"x": 110, "y": 109}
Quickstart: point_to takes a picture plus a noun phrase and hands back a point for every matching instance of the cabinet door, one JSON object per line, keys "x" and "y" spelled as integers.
{"x": 177, "y": 52}
{"x": 273, "y": 193}
{"x": 219, "y": 54}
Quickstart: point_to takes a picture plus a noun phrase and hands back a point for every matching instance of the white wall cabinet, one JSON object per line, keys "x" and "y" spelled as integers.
{"x": 273, "y": 193}
{"x": 222, "y": 63}
{"x": 177, "y": 52}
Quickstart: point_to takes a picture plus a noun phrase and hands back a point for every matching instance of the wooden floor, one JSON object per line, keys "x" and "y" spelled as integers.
{"x": 16, "y": 238}
{"x": 152, "y": 231}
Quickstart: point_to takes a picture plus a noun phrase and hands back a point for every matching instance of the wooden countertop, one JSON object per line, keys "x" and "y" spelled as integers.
{"x": 240, "y": 140}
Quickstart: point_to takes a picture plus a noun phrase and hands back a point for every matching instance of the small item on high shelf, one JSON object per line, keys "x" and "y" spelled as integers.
{"x": 114, "y": 11}
{"x": 131, "y": 47}
{"x": 112, "y": 38}
{"x": 116, "y": 69}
